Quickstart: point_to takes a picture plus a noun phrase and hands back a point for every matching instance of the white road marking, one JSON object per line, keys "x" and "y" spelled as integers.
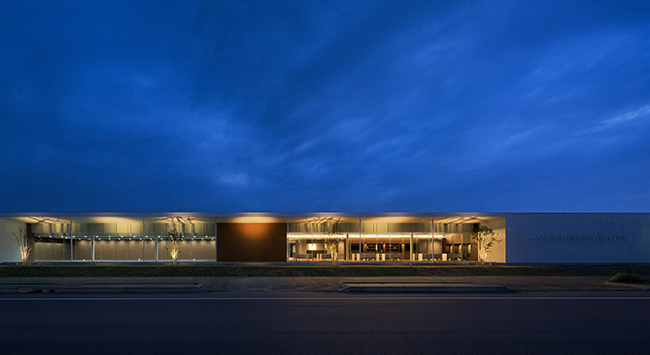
{"x": 360, "y": 298}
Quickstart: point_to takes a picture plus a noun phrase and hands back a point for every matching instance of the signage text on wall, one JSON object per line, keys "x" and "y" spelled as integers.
{"x": 585, "y": 238}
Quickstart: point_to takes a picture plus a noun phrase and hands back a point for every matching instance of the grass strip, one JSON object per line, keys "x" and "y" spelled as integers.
{"x": 315, "y": 271}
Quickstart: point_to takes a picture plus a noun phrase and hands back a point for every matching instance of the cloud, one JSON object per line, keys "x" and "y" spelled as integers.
{"x": 234, "y": 179}
{"x": 624, "y": 119}
{"x": 355, "y": 106}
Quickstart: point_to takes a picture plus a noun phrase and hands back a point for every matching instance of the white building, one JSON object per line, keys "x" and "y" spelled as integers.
{"x": 425, "y": 237}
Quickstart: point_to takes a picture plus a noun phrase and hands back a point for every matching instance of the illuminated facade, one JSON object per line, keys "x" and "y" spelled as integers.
{"x": 521, "y": 237}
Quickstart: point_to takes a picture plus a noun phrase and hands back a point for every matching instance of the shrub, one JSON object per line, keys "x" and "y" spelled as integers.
{"x": 626, "y": 278}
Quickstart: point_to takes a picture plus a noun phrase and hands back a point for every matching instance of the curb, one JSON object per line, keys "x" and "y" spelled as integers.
{"x": 640, "y": 286}
{"x": 422, "y": 288}
{"x": 105, "y": 288}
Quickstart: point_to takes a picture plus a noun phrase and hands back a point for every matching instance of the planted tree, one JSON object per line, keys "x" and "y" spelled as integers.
{"x": 331, "y": 233}
{"x": 174, "y": 240}
{"x": 24, "y": 244}
{"x": 485, "y": 239}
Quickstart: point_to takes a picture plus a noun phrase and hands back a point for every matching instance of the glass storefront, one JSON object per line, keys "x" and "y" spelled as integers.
{"x": 120, "y": 239}
{"x": 198, "y": 238}
{"x": 381, "y": 239}
{"x": 455, "y": 241}
{"x": 394, "y": 238}
{"x": 309, "y": 239}
{"x": 313, "y": 238}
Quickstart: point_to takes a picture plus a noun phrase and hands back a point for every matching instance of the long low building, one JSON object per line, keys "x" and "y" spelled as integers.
{"x": 262, "y": 237}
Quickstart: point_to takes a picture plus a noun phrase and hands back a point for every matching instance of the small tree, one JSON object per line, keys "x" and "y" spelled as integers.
{"x": 485, "y": 240}
{"x": 24, "y": 244}
{"x": 331, "y": 233}
{"x": 173, "y": 245}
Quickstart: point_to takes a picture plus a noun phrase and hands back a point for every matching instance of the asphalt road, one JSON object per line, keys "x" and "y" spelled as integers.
{"x": 323, "y": 323}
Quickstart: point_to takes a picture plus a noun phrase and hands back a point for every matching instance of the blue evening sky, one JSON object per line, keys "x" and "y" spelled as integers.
{"x": 320, "y": 106}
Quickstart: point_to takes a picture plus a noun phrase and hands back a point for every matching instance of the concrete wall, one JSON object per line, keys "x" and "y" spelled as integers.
{"x": 9, "y": 250}
{"x": 578, "y": 238}
{"x": 498, "y": 252}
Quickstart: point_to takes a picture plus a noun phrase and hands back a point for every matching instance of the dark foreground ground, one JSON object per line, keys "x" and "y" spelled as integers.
{"x": 323, "y": 269}
{"x": 72, "y": 285}
{"x": 327, "y": 323}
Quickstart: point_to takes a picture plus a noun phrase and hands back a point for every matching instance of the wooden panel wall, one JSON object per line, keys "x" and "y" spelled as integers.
{"x": 251, "y": 242}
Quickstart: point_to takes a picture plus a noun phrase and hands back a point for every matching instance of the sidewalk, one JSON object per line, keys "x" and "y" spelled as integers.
{"x": 312, "y": 284}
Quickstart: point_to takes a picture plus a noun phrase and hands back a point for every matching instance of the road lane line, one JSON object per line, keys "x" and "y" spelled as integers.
{"x": 13, "y": 299}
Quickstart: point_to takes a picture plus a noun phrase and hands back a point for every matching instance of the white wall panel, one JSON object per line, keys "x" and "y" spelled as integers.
{"x": 578, "y": 238}
{"x": 9, "y": 250}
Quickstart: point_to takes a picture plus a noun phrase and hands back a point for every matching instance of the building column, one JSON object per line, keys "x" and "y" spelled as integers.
{"x": 411, "y": 248}
{"x": 287, "y": 244}
{"x": 71, "y": 249}
{"x": 432, "y": 239}
{"x": 215, "y": 240}
{"x": 347, "y": 247}
{"x": 143, "y": 258}
{"x": 360, "y": 243}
